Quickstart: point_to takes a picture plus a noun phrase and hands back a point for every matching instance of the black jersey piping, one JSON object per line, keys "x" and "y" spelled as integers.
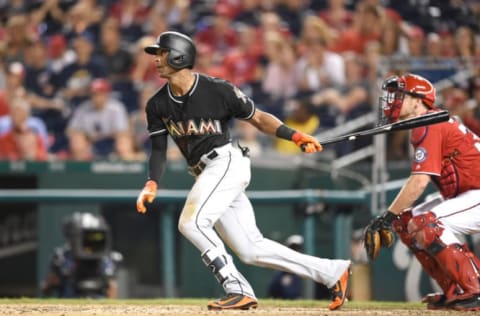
{"x": 209, "y": 195}
{"x": 192, "y": 90}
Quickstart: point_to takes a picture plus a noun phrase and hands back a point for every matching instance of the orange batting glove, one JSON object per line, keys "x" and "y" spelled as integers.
{"x": 306, "y": 142}
{"x": 147, "y": 195}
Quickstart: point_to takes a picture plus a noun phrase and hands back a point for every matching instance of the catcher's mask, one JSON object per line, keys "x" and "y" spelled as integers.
{"x": 180, "y": 47}
{"x": 88, "y": 235}
{"x": 396, "y": 87}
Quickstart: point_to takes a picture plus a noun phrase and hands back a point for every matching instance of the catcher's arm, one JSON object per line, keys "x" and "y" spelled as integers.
{"x": 379, "y": 234}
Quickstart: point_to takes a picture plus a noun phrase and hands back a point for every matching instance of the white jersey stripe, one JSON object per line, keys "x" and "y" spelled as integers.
{"x": 162, "y": 131}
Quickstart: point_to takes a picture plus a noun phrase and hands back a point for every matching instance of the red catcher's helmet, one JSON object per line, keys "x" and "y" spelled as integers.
{"x": 396, "y": 87}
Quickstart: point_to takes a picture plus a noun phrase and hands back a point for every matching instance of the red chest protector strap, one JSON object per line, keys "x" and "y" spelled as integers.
{"x": 448, "y": 182}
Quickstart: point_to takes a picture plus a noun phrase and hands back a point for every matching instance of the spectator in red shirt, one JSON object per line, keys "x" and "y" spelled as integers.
{"x": 3, "y": 103}
{"x": 336, "y": 15}
{"x": 219, "y": 35}
{"x": 21, "y": 142}
{"x": 205, "y": 63}
{"x": 242, "y": 63}
{"x": 367, "y": 26}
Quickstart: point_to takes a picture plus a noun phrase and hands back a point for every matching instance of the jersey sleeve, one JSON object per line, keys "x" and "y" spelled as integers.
{"x": 155, "y": 124}
{"x": 240, "y": 105}
{"x": 427, "y": 157}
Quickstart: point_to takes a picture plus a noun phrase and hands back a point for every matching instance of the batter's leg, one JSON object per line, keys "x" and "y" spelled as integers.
{"x": 211, "y": 195}
{"x": 238, "y": 229}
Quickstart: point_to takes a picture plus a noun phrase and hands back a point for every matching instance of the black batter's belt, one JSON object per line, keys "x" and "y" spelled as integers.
{"x": 197, "y": 169}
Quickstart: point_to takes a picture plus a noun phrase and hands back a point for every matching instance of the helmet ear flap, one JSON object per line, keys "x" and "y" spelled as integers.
{"x": 176, "y": 59}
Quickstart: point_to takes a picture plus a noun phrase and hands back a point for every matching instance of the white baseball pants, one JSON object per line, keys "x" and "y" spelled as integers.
{"x": 217, "y": 210}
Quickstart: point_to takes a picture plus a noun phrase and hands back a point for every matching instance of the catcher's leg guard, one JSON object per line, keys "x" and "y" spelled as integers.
{"x": 456, "y": 261}
{"x": 428, "y": 263}
{"x": 400, "y": 227}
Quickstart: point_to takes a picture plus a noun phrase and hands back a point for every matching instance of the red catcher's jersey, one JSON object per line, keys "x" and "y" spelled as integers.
{"x": 450, "y": 154}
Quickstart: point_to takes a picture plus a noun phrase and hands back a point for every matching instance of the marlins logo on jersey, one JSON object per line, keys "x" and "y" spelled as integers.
{"x": 240, "y": 94}
{"x": 190, "y": 127}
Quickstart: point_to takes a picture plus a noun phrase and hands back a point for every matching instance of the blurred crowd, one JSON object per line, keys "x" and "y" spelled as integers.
{"x": 74, "y": 79}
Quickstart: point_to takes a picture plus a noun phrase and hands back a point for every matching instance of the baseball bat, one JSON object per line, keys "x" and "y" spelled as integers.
{"x": 423, "y": 120}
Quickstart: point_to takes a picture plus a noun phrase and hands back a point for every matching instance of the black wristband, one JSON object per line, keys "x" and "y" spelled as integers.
{"x": 389, "y": 217}
{"x": 285, "y": 132}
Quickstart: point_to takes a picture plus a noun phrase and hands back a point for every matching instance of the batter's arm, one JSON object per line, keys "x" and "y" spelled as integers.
{"x": 156, "y": 167}
{"x": 271, "y": 125}
{"x": 265, "y": 122}
{"x": 158, "y": 157}
{"x": 410, "y": 192}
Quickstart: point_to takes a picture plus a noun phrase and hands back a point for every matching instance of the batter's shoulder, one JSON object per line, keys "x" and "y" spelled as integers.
{"x": 215, "y": 83}
{"x": 158, "y": 98}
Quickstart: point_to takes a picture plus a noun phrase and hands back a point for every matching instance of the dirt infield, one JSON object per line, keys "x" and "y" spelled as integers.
{"x": 105, "y": 309}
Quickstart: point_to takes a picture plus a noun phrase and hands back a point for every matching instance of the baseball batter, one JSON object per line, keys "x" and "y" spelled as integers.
{"x": 195, "y": 110}
{"x": 448, "y": 154}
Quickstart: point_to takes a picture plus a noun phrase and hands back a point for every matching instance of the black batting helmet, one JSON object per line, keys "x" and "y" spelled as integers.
{"x": 181, "y": 49}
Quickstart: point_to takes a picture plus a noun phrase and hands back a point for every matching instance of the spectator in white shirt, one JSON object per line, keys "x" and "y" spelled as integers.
{"x": 100, "y": 122}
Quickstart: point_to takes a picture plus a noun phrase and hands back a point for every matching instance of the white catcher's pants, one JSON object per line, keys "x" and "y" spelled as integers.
{"x": 459, "y": 215}
{"x": 218, "y": 199}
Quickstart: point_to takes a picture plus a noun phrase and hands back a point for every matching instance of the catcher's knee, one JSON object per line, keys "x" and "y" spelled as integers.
{"x": 400, "y": 227}
{"x": 425, "y": 231}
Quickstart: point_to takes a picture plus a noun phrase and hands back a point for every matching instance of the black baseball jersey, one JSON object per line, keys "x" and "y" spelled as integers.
{"x": 199, "y": 120}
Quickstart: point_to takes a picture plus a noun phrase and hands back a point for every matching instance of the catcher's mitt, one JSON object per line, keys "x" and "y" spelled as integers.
{"x": 372, "y": 242}
{"x": 379, "y": 234}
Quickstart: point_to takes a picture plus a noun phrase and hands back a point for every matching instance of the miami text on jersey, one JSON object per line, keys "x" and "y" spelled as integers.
{"x": 190, "y": 127}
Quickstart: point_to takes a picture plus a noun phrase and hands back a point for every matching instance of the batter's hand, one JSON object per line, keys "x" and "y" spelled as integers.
{"x": 306, "y": 142}
{"x": 147, "y": 195}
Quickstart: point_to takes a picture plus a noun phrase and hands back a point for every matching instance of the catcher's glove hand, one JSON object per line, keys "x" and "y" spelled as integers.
{"x": 379, "y": 234}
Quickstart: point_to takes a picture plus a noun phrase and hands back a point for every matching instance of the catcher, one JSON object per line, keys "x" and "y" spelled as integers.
{"x": 448, "y": 154}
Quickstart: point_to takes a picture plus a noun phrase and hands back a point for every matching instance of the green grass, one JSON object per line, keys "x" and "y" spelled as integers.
{"x": 371, "y": 305}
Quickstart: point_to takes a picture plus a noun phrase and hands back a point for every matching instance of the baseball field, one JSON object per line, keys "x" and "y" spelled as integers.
{"x": 181, "y": 307}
